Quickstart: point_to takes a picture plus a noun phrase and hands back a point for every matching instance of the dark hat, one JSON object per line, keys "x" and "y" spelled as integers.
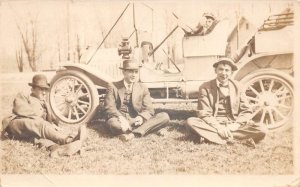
{"x": 130, "y": 64}
{"x": 209, "y": 15}
{"x": 227, "y": 61}
{"x": 39, "y": 80}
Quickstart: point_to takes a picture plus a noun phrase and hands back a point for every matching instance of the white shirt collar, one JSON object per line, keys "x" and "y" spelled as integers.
{"x": 218, "y": 83}
{"x": 127, "y": 86}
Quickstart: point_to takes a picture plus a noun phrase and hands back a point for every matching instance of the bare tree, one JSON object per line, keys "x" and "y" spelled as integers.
{"x": 78, "y": 49}
{"x": 19, "y": 59}
{"x": 29, "y": 37}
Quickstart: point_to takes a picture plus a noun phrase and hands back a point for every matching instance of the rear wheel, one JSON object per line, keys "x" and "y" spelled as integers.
{"x": 270, "y": 94}
{"x": 73, "y": 97}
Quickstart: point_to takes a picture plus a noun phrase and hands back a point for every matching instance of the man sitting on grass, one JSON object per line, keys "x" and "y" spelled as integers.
{"x": 128, "y": 106}
{"x": 32, "y": 120}
{"x": 223, "y": 113}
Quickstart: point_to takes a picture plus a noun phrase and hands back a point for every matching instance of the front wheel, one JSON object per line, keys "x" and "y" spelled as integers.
{"x": 73, "y": 97}
{"x": 270, "y": 95}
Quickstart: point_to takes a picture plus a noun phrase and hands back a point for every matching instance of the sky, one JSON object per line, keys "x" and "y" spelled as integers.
{"x": 90, "y": 20}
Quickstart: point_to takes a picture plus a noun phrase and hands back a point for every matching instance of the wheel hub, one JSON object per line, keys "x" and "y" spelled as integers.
{"x": 268, "y": 99}
{"x": 71, "y": 99}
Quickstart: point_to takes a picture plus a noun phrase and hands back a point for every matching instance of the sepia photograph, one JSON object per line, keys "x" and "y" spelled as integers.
{"x": 149, "y": 93}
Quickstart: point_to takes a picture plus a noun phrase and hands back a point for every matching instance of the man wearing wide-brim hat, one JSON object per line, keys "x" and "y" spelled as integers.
{"x": 202, "y": 29}
{"x": 128, "y": 106}
{"x": 223, "y": 114}
{"x": 32, "y": 120}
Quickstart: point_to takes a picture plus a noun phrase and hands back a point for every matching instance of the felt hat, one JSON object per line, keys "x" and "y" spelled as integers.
{"x": 39, "y": 80}
{"x": 130, "y": 64}
{"x": 227, "y": 61}
{"x": 209, "y": 15}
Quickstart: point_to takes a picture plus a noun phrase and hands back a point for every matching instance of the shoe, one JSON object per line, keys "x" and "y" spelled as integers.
{"x": 249, "y": 143}
{"x": 43, "y": 143}
{"x": 126, "y": 137}
{"x": 66, "y": 150}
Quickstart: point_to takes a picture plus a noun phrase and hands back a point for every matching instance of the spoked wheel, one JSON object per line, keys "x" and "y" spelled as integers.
{"x": 270, "y": 95}
{"x": 73, "y": 97}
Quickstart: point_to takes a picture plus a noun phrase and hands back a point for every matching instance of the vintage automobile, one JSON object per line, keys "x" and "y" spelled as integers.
{"x": 265, "y": 68}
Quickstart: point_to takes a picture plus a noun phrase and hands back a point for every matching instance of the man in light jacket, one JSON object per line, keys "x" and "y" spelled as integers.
{"x": 223, "y": 114}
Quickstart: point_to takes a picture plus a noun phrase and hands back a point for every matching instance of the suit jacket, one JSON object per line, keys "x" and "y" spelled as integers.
{"x": 208, "y": 103}
{"x": 141, "y": 100}
{"x": 29, "y": 107}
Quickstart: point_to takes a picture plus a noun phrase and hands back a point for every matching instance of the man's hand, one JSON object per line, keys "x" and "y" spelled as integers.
{"x": 124, "y": 124}
{"x": 224, "y": 132}
{"x": 138, "y": 121}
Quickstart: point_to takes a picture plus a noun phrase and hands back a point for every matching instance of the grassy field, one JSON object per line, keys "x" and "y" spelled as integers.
{"x": 175, "y": 153}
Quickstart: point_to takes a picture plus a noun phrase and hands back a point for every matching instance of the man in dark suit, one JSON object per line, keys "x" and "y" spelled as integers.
{"x": 223, "y": 114}
{"x": 128, "y": 106}
{"x": 32, "y": 120}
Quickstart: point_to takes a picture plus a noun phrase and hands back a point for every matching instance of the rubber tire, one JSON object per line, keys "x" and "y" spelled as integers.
{"x": 88, "y": 83}
{"x": 278, "y": 74}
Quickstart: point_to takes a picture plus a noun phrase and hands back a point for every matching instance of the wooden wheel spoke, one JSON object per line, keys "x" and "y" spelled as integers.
{"x": 78, "y": 89}
{"x": 59, "y": 104}
{"x": 261, "y": 86}
{"x": 279, "y": 113}
{"x": 284, "y": 106}
{"x": 73, "y": 85}
{"x": 284, "y": 97}
{"x": 60, "y": 96}
{"x": 61, "y": 107}
{"x": 256, "y": 112}
{"x": 254, "y": 105}
{"x": 76, "y": 112}
{"x": 271, "y": 85}
{"x": 252, "y": 99}
{"x": 279, "y": 90}
{"x": 83, "y": 102}
{"x": 70, "y": 113}
{"x": 254, "y": 91}
{"x": 263, "y": 116}
{"x": 83, "y": 94}
{"x": 271, "y": 117}
{"x": 81, "y": 109}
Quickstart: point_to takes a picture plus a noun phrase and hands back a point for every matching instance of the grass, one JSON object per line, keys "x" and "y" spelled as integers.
{"x": 175, "y": 153}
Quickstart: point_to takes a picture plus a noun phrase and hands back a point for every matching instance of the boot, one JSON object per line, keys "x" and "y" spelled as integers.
{"x": 67, "y": 149}
{"x": 48, "y": 132}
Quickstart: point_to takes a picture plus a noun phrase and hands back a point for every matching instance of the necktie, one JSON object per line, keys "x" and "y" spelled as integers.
{"x": 129, "y": 87}
{"x": 223, "y": 86}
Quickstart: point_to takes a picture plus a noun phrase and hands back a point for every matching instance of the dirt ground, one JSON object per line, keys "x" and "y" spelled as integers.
{"x": 175, "y": 153}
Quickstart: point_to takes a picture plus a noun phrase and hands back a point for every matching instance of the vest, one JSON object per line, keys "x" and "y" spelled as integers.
{"x": 127, "y": 107}
{"x": 224, "y": 109}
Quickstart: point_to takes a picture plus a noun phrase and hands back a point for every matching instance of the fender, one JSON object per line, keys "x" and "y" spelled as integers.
{"x": 99, "y": 78}
{"x": 244, "y": 66}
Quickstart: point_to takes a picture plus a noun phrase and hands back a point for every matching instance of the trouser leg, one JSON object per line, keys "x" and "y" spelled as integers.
{"x": 204, "y": 130}
{"x": 26, "y": 128}
{"x": 154, "y": 123}
{"x": 250, "y": 130}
